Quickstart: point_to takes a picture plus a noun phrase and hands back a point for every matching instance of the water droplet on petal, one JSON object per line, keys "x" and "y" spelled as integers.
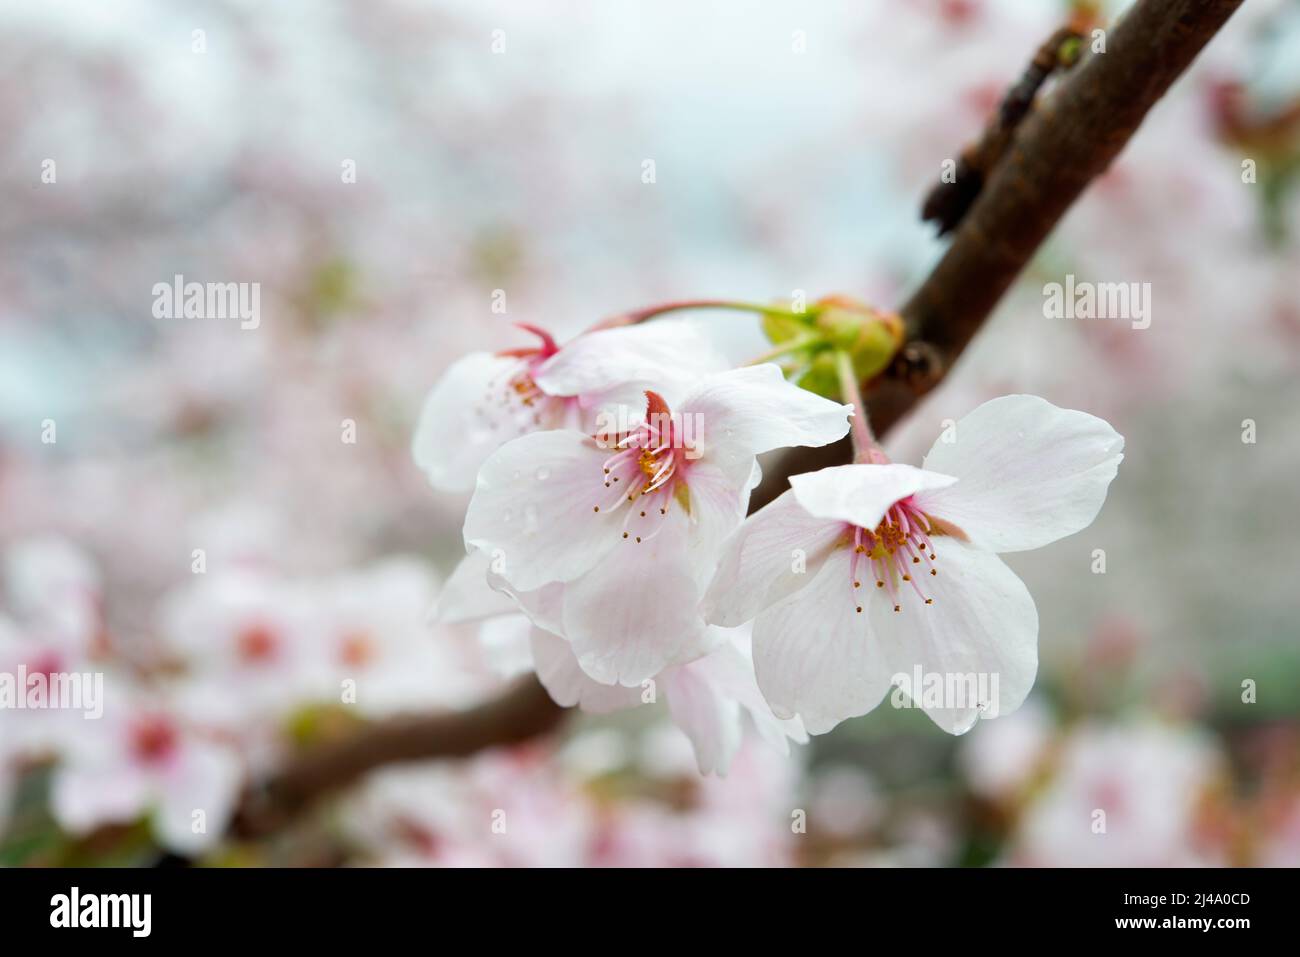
{"x": 543, "y": 473}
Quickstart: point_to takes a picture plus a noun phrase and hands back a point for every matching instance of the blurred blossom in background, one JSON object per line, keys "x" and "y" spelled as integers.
{"x": 181, "y": 509}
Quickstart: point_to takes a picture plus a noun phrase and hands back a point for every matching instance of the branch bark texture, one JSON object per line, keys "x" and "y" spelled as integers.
{"x": 524, "y": 711}
{"x": 1070, "y": 138}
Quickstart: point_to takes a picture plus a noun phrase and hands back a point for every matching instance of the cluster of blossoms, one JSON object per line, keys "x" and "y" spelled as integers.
{"x": 242, "y": 666}
{"x": 597, "y": 801}
{"x": 205, "y": 693}
{"x": 169, "y": 726}
{"x": 1143, "y": 790}
{"x": 609, "y": 548}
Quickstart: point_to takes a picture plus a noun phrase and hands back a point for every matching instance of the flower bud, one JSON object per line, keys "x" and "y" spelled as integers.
{"x": 835, "y": 324}
{"x": 869, "y": 336}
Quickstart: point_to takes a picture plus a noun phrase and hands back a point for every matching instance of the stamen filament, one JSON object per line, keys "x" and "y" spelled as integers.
{"x": 893, "y": 549}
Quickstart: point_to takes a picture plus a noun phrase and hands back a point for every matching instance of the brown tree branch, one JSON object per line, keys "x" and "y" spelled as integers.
{"x": 1068, "y": 140}
{"x": 949, "y": 200}
{"x": 1056, "y": 151}
{"x": 522, "y": 712}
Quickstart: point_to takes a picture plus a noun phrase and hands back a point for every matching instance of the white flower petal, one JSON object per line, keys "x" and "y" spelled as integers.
{"x": 206, "y": 779}
{"x": 1028, "y": 472}
{"x": 543, "y": 606}
{"x": 717, "y": 509}
{"x": 753, "y": 409}
{"x": 84, "y": 796}
{"x": 558, "y": 671}
{"x": 814, "y": 656}
{"x": 662, "y": 355}
{"x": 730, "y": 670}
{"x": 983, "y": 623}
{"x": 467, "y": 596}
{"x": 533, "y": 510}
{"x": 861, "y": 494}
{"x": 637, "y": 612}
{"x": 708, "y": 717}
{"x": 462, "y": 423}
{"x": 775, "y": 553}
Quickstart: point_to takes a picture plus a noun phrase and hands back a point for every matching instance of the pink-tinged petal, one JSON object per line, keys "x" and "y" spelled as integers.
{"x": 814, "y": 655}
{"x": 708, "y": 717}
{"x": 717, "y": 509}
{"x": 982, "y": 623}
{"x": 608, "y": 412}
{"x": 537, "y": 509}
{"x": 462, "y": 422}
{"x": 467, "y": 596}
{"x": 729, "y": 669}
{"x": 664, "y": 355}
{"x": 558, "y": 671}
{"x": 778, "y": 551}
{"x": 207, "y": 778}
{"x": 84, "y": 796}
{"x": 543, "y": 606}
{"x": 1028, "y": 472}
{"x": 742, "y": 413}
{"x": 861, "y": 494}
{"x": 637, "y": 611}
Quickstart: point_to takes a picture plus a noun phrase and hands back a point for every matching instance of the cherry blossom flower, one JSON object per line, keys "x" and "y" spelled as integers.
{"x": 863, "y": 573}
{"x": 708, "y": 698}
{"x": 55, "y": 588}
{"x": 625, "y": 539}
{"x": 486, "y": 399}
{"x": 740, "y": 820}
{"x": 1001, "y": 759}
{"x": 143, "y": 758}
{"x": 1124, "y": 795}
{"x": 534, "y": 807}
{"x": 505, "y": 808}
{"x": 35, "y": 732}
{"x": 246, "y": 630}
{"x": 377, "y": 652}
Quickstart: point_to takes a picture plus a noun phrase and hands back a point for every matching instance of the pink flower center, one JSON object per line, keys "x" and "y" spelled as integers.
{"x": 522, "y": 389}
{"x": 47, "y": 663}
{"x": 357, "y": 649}
{"x": 153, "y": 740}
{"x": 256, "y": 644}
{"x": 896, "y": 551}
{"x": 518, "y": 390}
{"x": 646, "y": 473}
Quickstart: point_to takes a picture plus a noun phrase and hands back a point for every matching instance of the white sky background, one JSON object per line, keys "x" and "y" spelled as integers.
{"x": 712, "y": 90}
